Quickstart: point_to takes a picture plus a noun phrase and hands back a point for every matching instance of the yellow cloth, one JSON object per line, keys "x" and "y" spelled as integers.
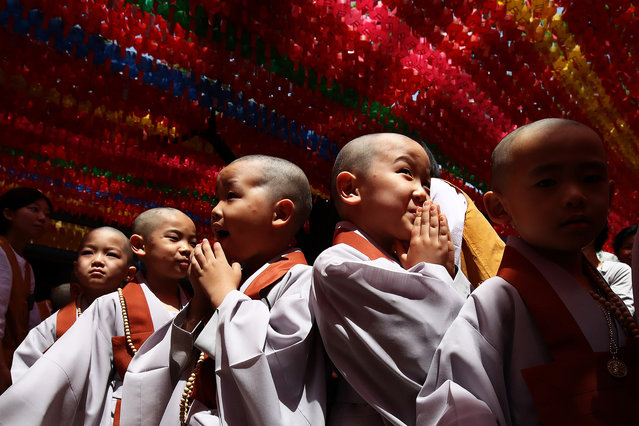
{"x": 482, "y": 248}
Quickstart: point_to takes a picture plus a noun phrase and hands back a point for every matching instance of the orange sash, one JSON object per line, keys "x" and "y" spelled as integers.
{"x": 17, "y": 316}
{"x": 141, "y": 325}
{"x": 576, "y": 387}
{"x": 205, "y": 393}
{"x": 359, "y": 243}
{"x": 66, "y": 318}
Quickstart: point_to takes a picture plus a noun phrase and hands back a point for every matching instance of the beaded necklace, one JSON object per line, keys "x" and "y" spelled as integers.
{"x": 186, "y": 401}
{"x": 125, "y": 320}
{"x": 609, "y": 303}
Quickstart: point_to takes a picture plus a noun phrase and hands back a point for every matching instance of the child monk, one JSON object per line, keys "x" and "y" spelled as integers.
{"x": 79, "y": 379}
{"x": 546, "y": 341}
{"x": 104, "y": 263}
{"x": 257, "y": 358}
{"x": 383, "y": 293}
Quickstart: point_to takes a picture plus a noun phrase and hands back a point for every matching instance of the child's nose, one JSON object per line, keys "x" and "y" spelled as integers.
{"x": 216, "y": 213}
{"x": 98, "y": 259}
{"x": 575, "y": 195}
{"x": 185, "y": 247}
{"x": 420, "y": 196}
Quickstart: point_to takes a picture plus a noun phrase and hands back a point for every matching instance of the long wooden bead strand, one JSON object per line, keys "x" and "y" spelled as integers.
{"x": 125, "y": 320}
{"x": 185, "y": 402}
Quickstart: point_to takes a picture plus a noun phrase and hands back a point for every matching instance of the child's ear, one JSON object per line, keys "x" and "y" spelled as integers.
{"x": 130, "y": 275}
{"x": 8, "y": 214}
{"x": 137, "y": 244}
{"x": 347, "y": 189}
{"x": 495, "y": 208}
{"x": 283, "y": 212}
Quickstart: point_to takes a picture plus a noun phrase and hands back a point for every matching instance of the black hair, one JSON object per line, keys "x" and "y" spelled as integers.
{"x": 626, "y": 232}
{"x": 17, "y": 198}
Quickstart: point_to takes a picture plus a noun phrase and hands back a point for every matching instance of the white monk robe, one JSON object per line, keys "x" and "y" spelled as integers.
{"x": 41, "y": 338}
{"x": 266, "y": 355}
{"x": 476, "y": 374}
{"x": 380, "y": 324}
{"x": 75, "y": 382}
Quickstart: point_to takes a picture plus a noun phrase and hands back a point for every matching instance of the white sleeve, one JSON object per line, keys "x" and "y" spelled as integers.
{"x": 263, "y": 358}
{"x": 477, "y": 367}
{"x": 6, "y": 281}
{"x": 33, "y": 346}
{"x": 374, "y": 316}
{"x": 479, "y": 385}
{"x": 619, "y": 277}
{"x": 153, "y": 368}
{"x": 70, "y": 383}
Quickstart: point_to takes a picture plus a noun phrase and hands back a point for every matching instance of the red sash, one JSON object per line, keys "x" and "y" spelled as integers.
{"x": 359, "y": 243}
{"x": 17, "y": 315}
{"x": 576, "y": 387}
{"x": 141, "y": 325}
{"x": 203, "y": 391}
{"x": 44, "y": 309}
{"x": 66, "y": 317}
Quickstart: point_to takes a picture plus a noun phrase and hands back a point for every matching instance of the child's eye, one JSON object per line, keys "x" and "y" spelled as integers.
{"x": 113, "y": 254}
{"x": 406, "y": 171}
{"x": 86, "y": 252}
{"x": 172, "y": 238}
{"x": 231, "y": 195}
{"x": 545, "y": 183}
{"x": 193, "y": 243}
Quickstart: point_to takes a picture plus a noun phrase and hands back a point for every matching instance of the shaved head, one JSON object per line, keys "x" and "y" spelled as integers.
{"x": 357, "y": 155}
{"x": 283, "y": 180}
{"x": 502, "y": 154}
{"x": 126, "y": 246}
{"x": 146, "y": 222}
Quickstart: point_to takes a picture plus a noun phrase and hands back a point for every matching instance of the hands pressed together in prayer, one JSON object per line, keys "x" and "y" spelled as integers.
{"x": 212, "y": 278}
{"x": 430, "y": 240}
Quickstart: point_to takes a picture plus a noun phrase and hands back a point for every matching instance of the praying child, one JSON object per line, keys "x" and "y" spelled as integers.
{"x": 104, "y": 263}
{"x": 383, "y": 293}
{"x": 546, "y": 341}
{"x": 79, "y": 379}
{"x": 245, "y": 350}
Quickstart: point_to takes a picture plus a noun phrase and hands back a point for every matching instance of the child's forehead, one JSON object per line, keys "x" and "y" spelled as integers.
{"x": 247, "y": 172}
{"x": 404, "y": 149}
{"x": 561, "y": 139}
{"x": 105, "y": 238}
{"x": 173, "y": 220}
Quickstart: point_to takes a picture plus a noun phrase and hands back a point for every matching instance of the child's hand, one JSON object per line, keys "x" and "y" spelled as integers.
{"x": 430, "y": 240}
{"x": 211, "y": 274}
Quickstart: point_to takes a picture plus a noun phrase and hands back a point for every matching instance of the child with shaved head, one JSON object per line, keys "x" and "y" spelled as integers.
{"x": 383, "y": 293}
{"x": 245, "y": 349}
{"x": 78, "y": 380}
{"x": 104, "y": 263}
{"x": 546, "y": 341}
